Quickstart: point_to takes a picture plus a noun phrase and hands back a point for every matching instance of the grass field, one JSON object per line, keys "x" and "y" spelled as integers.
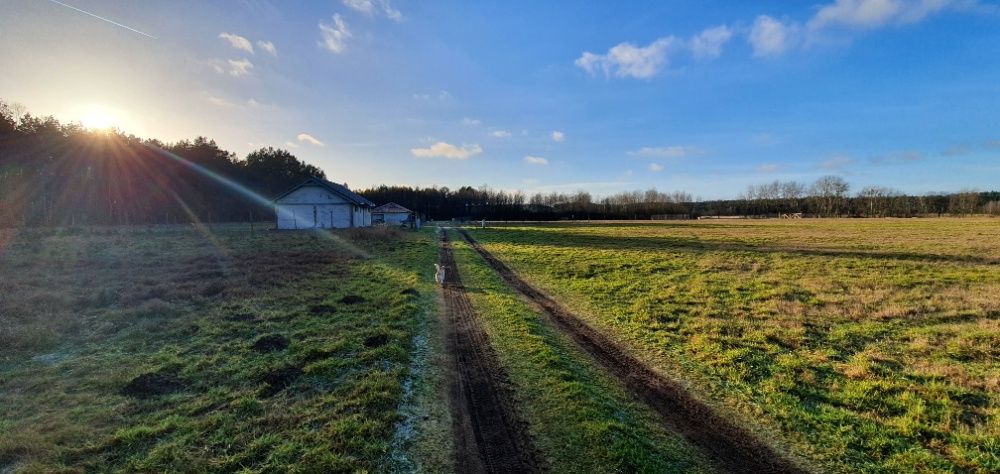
{"x": 169, "y": 348}
{"x": 862, "y": 345}
{"x": 848, "y": 345}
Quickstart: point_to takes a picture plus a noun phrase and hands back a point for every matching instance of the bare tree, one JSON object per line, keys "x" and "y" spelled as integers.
{"x": 963, "y": 203}
{"x": 792, "y": 190}
{"x": 877, "y": 199}
{"x": 829, "y": 193}
{"x": 992, "y": 208}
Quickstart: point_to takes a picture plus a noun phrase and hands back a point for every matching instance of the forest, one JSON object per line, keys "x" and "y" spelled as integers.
{"x": 54, "y": 173}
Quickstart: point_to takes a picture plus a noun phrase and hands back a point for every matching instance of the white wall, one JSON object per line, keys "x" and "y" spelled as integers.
{"x": 362, "y": 217}
{"x": 295, "y": 216}
{"x": 395, "y": 218}
{"x": 314, "y": 207}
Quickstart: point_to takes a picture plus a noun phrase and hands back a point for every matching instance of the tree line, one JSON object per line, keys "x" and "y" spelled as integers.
{"x": 829, "y": 196}
{"x": 54, "y": 173}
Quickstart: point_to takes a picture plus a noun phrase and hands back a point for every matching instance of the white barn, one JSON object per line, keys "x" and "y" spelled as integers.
{"x": 392, "y": 214}
{"x": 320, "y": 204}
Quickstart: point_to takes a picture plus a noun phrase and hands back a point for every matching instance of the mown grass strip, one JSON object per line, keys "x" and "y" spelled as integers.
{"x": 581, "y": 420}
{"x": 728, "y": 444}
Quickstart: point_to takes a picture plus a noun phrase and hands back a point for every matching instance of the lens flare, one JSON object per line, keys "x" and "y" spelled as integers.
{"x": 251, "y": 195}
{"x": 99, "y": 117}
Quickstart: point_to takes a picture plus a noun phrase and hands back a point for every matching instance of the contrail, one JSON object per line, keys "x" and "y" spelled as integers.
{"x": 103, "y": 19}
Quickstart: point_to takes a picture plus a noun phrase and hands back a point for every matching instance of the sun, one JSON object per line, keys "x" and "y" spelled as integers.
{"x": 99, "y": 117}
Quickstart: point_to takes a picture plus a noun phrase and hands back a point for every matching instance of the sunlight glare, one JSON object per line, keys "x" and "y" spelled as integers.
{"x": 99, "y": 117}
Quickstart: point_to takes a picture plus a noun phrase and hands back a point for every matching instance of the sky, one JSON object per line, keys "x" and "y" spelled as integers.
{"x": 702, "y": 96}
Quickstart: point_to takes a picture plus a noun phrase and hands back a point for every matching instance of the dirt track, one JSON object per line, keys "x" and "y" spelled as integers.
{"x": 490, "y": 435}
{"x": 731, "y": 447}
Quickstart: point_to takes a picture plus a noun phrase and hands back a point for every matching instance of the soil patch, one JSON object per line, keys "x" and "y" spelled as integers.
{"x": 732, "y": 447}
{"x": 312, "y": 355}
{"x": 152, "y": 385}
{"x": 323, "y": 309}
{"x": 352, "y": 299}
{"x": 279, "y": 379}
{"x": 376, "y": 340}
{"x": 271, "y": 342}
{"x": 490, "y": 434}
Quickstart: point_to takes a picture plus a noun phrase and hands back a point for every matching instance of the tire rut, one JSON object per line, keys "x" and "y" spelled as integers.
{"x": 731, "y": 447}
{"x": 490, "y": 435}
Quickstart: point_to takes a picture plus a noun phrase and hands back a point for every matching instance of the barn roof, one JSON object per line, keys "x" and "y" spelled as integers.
{"x": 338, "y": 189}
{"x": 391, "y": 208}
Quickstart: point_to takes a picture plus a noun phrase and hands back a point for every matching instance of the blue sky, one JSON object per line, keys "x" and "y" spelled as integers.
{"x": 701, "y": 96}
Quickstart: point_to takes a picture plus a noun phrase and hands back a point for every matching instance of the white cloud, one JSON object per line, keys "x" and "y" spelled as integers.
{"x": 655, "y": 167}
{"x": 363, "y": 6}
{"x": 629, "y": 60}
{"x": 900, "y": 156}
{"x": 390, "y": 12}
{"x": 708, "y": 44}
{"x": 334, "y": 36}
{"x": 237, "y": 42}
{"x": 535, "y": 160}
{"x": 236, "y": 68}
{"x": 447, "y": 150}
{"x": 219, "y": 101}
{"x": 291, "y": 144}
{"x": 558, "y": 136}
{"x": 771, "y": 37}
{"x": 500, "y": 133}
{"x": 471, "y": 121}
{"x": 836, "y": 163}
{"x": 868, "y": 14}
{"x": 267, "y": 46}
{"x": 957, "y": 150}
{"x": 441, "y": 95}
{"x": 768, "y": 168}
{"x": 307, "y": 138}
{"x": 222, "y": 102}
{"x": 676, "y": 151}
{"x": 371, "y": 7}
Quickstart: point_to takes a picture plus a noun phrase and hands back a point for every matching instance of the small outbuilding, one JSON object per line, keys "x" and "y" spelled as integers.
{"x": 393, "y": 214}
{"x": 320, "y": 204}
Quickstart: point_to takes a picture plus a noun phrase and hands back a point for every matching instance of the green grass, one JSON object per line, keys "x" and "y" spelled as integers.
{"x": 862, "y": 345}
{"x": 85, "y": 311}
{"x": 580, "y": 419}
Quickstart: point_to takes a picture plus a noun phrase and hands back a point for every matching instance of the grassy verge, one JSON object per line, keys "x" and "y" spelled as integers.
{"x": 867, "y": 345}
{"x": 581, "y": 420}
{"x": 166, "y": 349}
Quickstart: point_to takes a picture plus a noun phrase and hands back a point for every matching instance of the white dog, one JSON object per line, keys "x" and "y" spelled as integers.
{"x": 439, "y": 273}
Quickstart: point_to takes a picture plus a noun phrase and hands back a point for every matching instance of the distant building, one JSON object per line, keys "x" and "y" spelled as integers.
{"x": 319, "y": 204}
{"x": 393, "y": 214}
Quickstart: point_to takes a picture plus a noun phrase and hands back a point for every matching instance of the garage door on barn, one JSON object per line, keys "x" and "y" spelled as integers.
{"x": 320, "y": 204}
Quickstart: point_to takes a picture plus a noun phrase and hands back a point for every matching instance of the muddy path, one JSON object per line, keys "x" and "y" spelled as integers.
{"x": 490, "y": 434}
{"x": 731, "y": 447}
